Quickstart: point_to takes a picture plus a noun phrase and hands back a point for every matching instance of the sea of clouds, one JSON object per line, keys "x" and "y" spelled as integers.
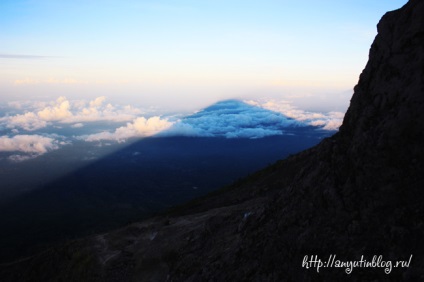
{"x": 23, "y": 121}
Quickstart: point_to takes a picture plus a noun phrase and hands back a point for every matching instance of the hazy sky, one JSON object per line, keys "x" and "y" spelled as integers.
{"x": 187, "y": 54}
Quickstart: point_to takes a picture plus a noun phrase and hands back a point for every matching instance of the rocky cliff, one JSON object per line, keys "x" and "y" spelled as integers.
{"x": 357, "y": 193}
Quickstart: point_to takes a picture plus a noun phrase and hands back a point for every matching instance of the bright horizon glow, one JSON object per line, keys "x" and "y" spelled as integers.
{"x": 187, "y": 54}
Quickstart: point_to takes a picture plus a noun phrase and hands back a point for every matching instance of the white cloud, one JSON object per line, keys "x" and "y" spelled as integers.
{"x": 15, "y": 104}
{"x": 31, "y": 145}
{"x": 97, "y": 102}
{"x": 328, "y": 121}
{"x": 250, "y": 119}
{"x": 96, "y": 111}
{"x": 64, "y": 111}
{"x": 27, "y": 104}
{"x": 28, "y": 121}
{"x": 21, "y": 158}
{"x": 140, "y": 127}
{"x": 58, "y": 112}
{"x": 229, "y": 119}
{"x": 333, "y": 124}
{"x": 318, "y": 122}
{"x": 77, "y": 125}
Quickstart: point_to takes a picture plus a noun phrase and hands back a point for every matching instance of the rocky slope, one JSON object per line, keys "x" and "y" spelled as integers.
{"x": 357, "y": 193}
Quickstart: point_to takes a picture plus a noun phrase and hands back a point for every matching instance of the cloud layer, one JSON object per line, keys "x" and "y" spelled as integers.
{"x": 30, "y": 145}
{"x": 328, "y": 121}
{"x": 64, "y": 111}
{"x": 232, "y": 119}
{"x": 227, "y": 119}
{"x": 139, "y": 127}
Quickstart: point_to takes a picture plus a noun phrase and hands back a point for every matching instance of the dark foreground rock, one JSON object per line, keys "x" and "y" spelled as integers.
{"x": 360, "y": 192}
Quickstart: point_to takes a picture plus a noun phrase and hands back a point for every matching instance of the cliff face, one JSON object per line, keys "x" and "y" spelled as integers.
{"x": 357, "y": 193}
{"x": 384, "y": 120}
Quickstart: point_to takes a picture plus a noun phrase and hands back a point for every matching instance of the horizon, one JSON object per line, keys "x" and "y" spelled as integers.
{"x": 183, "y": 56}
{"x": 281, "y": 62}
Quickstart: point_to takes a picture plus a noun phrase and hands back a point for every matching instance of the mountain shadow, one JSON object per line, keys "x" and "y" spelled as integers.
{"x": 152, "y": 175}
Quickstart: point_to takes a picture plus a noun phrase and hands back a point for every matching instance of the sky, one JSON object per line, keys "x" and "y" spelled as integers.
{"x": 187, "y": 54}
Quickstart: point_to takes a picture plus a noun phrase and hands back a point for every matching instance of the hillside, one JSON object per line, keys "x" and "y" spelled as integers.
{"x": 145, "y": 177}
{"x": 359, "y": 192}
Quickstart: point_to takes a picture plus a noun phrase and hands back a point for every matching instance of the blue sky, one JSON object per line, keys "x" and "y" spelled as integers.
{"x": 187, "y": 54}
{"x": 109, "y": 71}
